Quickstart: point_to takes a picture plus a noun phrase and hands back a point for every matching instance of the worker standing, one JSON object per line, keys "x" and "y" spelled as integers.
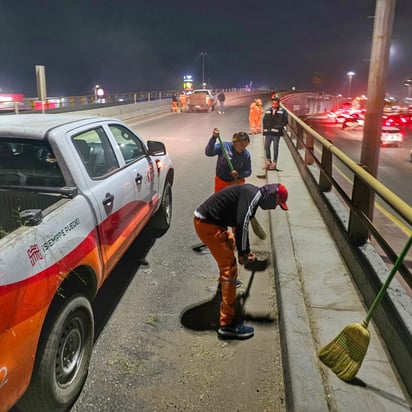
{"x": 238, "y": 155}
{"x": 274, "y": 121}
{"x": 174, "y": 102}
{"x": 255, "y": 116}
{"x": 182, "y": 102}
{"x": 221, "y": 98}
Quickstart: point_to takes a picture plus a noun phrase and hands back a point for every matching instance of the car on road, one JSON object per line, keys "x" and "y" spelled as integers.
{"x": 391, "y": 136}
{"x": 353, "y": 121}
{"x": 396, "y": 120}
{"x": 202, "y": 100}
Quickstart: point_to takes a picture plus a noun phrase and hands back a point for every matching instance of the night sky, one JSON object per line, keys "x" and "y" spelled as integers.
{"x": 142, "y": 45}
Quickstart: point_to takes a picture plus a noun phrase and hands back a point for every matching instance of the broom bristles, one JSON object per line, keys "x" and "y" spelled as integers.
{"x": 344, "y": 355}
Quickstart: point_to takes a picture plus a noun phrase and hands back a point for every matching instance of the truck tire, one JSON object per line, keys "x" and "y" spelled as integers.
{"x": 63, "y": 357}
{"x": 162, "y": 219}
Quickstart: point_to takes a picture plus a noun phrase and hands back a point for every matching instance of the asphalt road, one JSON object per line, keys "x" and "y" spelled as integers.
{"x": 150, "y": 355}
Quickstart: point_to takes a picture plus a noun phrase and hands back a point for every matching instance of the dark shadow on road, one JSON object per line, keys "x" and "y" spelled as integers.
{"x": 116, "y": 284}
{"x": 399, "y": 403}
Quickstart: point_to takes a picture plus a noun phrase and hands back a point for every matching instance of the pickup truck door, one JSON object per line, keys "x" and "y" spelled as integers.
{"x": 141, "y": 167}
{"x": 116, "y": 191}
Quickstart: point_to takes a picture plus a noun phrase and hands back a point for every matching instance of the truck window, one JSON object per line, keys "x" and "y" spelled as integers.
{"x": 129, "y": 144}
{"x": 28, "y": 163}
{"x": 96, "y": 152}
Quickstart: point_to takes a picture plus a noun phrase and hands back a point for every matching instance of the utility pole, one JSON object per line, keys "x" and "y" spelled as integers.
{"x": 382, "y": 32}
{"x": 203, "y": 54}
{"x": 363, "y": 197}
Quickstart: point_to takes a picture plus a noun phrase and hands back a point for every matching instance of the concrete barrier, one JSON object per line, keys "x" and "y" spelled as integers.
{"x": 150, "y": 108}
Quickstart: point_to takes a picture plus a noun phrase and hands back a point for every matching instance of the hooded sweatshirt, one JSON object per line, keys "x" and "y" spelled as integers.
{"x": 234, "y": 206}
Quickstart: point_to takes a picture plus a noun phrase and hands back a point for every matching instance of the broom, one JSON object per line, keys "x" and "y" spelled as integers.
{"x": 344, "y": 355}
{"x": 256, "y": 226}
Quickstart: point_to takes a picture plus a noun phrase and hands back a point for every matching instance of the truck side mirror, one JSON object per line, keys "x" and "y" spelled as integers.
{"x": 156, "y": 148}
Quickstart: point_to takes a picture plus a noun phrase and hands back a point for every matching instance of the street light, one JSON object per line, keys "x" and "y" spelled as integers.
{"x": 203, "y": 54}
{"x": 350, "y": 75}
{"x": 408, "y": 84}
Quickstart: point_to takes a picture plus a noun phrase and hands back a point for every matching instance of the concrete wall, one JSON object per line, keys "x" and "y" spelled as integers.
{"x": 150, "y": 108}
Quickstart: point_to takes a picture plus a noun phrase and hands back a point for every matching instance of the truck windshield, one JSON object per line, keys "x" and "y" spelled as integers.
{"x": 28, "y": 163}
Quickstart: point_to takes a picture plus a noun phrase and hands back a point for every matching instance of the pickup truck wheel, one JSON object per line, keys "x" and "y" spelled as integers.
{"x": 160, "y": 222}
{"x": 63, "y": 358}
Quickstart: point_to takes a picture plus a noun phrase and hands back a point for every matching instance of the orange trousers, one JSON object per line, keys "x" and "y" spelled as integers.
{"x": 254, "y": 123}
{"x": 221, "y": 244}
{"x": 221, "y": 184}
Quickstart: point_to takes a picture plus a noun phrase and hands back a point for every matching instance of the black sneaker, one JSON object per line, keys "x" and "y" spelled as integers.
{"x": 236, "y": 331}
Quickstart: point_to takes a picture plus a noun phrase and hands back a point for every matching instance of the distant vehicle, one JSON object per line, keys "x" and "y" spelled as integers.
{"x": 391, "y": 136}
{"x": 396, "y": 120}
{"x": 11, "y": 101}
{"x": 353, "y": 121}
{"x": 340, "y": 117}
{"x": 327, "y": 117}
{"x": 202, "y": 100}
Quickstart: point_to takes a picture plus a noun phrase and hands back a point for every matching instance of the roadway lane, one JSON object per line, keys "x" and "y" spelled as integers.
{"x": 144, "y": 359}
{"x": 394, "y": 171}
{"x": 395, "y": 168}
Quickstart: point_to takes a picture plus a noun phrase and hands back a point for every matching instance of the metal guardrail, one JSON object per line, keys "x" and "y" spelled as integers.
{"x": 320, "y": 151}
{"x": 343, "y": 202}
{"x": 67, "y": 103}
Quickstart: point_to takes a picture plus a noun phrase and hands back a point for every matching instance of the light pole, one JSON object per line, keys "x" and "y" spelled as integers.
{"x": 350, "y": 75}
{"x": 203, "y": 54}
{"x": 408, "y": 84}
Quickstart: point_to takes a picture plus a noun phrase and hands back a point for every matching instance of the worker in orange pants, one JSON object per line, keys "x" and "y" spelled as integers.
{"x": 182, "y": 102}
{"x": 174, "y": 103}
{"x": 233, "y": 206}
{"x": 255, "y": 116}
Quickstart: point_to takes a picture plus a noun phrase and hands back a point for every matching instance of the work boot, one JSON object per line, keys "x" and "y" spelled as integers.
{"x": 235, "y": 331}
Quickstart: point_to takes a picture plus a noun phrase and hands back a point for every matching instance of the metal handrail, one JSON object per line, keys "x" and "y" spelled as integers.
{"x": 361, "y": 227}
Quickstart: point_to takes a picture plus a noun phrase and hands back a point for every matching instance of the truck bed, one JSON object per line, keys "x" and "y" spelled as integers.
{"x": 12, "y": 203}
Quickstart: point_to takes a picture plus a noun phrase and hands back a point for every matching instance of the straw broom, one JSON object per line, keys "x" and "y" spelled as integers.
{"x": 344, "y": 355}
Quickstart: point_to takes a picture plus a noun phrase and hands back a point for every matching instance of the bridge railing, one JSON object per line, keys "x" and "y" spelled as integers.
{"x": 341, "y": 189}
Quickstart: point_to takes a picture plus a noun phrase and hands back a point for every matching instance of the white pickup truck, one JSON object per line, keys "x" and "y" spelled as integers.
{"x": 201, "y": 100}
{"x": 75, "y": 191}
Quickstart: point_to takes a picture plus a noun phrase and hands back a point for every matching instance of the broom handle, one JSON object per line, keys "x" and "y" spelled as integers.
{"x": 257, "y": 228}
{"x": 229, "y": 163}
{"x": 389, "y": 279}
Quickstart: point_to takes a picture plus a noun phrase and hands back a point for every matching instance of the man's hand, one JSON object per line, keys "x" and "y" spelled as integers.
{"x": 250, "y": 257}
{"x": 216, "y": 132}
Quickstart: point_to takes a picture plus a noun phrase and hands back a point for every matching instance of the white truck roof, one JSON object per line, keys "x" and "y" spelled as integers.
{"x": 37, "y": 126}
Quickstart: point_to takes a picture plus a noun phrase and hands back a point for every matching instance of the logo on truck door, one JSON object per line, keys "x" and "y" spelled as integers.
{"x": 34, "y": 254}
